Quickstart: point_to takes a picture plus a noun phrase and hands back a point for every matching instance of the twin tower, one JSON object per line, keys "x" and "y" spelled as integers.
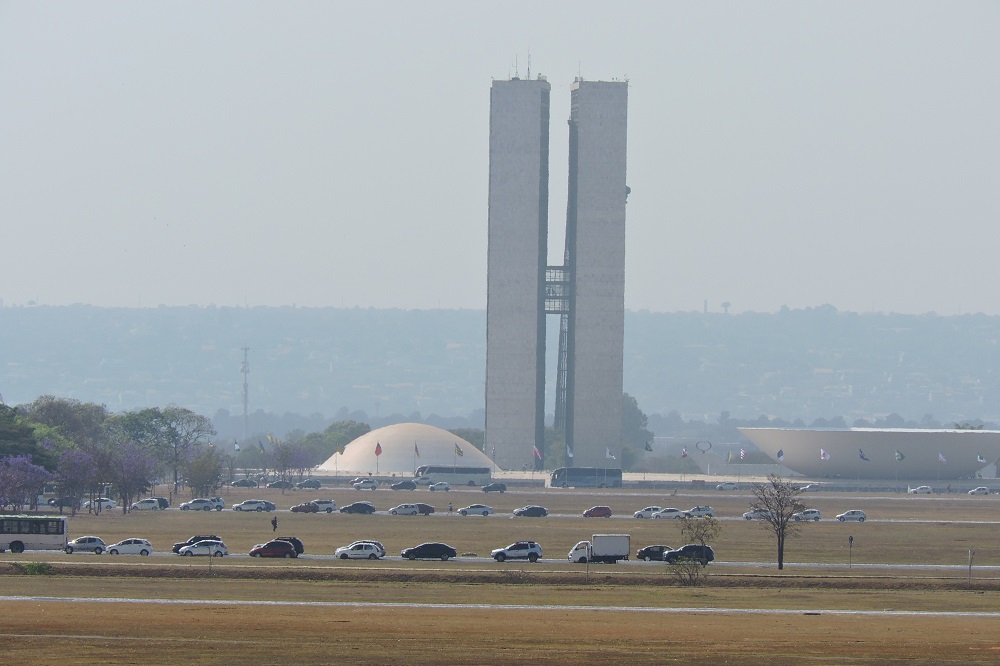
{"x": 587, "y": 291}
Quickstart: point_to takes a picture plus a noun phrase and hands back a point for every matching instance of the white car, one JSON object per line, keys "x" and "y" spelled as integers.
{"x": 670, "y": 512}
{"x": 202, "y": 504}
{"x": 475, "y": 510}
{"x": 86, "y": 544}
{"x": 148, "y": 504}
{"x": 853, "y": 515}
{"x": 405, "y": 510}
{"x": 206, "y": 547}
{"x": 981, "y": 490}
{"x": 250, "y": 505}
{"x": 131, "y": 547}
{"x": 757, "y": 514}
{"x": 325, "y": 505}
{"x": 701, "y": 511}
{"x": 359, "y": 550}
{"x": 440, "y": 485}
{"x": 727, "y": 485}
{"x": 809, "y": 487}
{"x": 647, "y": 512}
{"x": 366, "y": 484}
{"x": 921, "y": 490}
{"x": 808, "y": 514}
{"x": 379, "y": 548}
{"x": 100, "y": 502}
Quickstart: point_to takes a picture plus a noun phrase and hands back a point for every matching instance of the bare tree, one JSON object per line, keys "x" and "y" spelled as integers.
{"x": 775, "y": 502}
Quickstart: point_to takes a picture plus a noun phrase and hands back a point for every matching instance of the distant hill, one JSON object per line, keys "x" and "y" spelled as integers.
{"x": 327, "y": 362}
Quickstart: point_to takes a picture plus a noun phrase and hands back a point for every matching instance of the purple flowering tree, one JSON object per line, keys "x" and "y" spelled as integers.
{"x": 21, "y": 481}
{"x": 77, "y": 474}
{"x": 130, "y": 468}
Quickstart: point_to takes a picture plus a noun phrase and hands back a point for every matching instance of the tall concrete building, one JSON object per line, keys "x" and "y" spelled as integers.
{"x": 587, "y": 291}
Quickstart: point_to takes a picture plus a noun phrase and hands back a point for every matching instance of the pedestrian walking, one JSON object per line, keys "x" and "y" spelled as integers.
{"x": 274, "y": 524}
{"x": 449, "y": 507}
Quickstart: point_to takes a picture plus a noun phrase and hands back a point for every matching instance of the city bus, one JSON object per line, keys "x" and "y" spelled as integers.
{"x": 21, "y": 533}
{"x": 586, "y": 477}
{"x": 458, "y": 476}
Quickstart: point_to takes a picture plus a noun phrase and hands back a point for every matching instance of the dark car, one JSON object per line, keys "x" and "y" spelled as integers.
{"x": 245, "y": 483}
{"x": 691, "y": 551}
{"x": 305, "y": 507}
{"x": 195, "y": 539}
{"x": 284, "y": 485}
{"x": 495, "y": 487}
{"x": 651, "y": 553}
{"x": 276, "y": 548}
{"x": 309, "y": 483}
{"x": 358, "y": 507}
{"x": 531, "y": 511}
{"x": 424, "y": 509}
{"x": 268, "y": 506}
{"x": 296, "y": 543}
{"x": 163, "y": 502}
{"x": 598, "y": 512}
{"x": 406, "y": 484}
{"x": 61, "y": 502}
{"x": 429, "y": 551}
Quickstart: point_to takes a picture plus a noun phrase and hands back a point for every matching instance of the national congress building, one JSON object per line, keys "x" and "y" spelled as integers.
{"x": 587, "y": 291}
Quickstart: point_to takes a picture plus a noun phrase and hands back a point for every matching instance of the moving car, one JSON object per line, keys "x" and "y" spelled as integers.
{"x": 379, "y": 548}
{"x": 495, "y": 487}
{"x": 358, "y": 507}
{"x": 366, "y": 484}
{"x": 63, "y": 502}
{"x": 440, "y": 485}
{"x": 757, "y": 514}
{"x": 195, "y": 539}
{"x": 296, "y": 543}
{"x": 852, "y": 515}
{"x": 691, "y": 551}
{"x": 809, "y": 487}
{"x": 519, "y": 550}
{"x": 405, "y": 484}
{"x": 245, "y": 483}
{"x": 424, "y": 509}
{"x": 647, "y": 512}
{"x": 86, "y": 544}
{"x": 209, "y": 547}
{"x": 253, "y": 505}
{"x": 203, "y": 504}
{"x": 327, "y": 505}
{"x": 531, "y": 511}
{"x": 429, "y": 551}
{"x": 598, "y": 512}
{"x": 148, "y": 504}
{"x": 282, "y": 484}
{"x": 921, "y": 490}
{"x": 981, "y": 490}
{"x": 99, "y": 503}
{"x": 651, "y": 553}
{"x": 808, "y": 514}
{"x": 359, "y": 550}
{"x": 476, "y": 509}
{"x": 405, "y": 510}
{"x": 305, "y": 507}
{"x": 726, "y": 485}
{"x": 310, "y": 484}
{"x": 701, "y": 512}
{"x": 671, "y": 513}
{"x": 131, "y": 547}
{"x": 164, "y": 502}
{"x": 275, "y": 548}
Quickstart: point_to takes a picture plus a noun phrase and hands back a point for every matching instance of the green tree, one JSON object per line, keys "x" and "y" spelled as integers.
{"x": 634, "y": 431}
{"x": 473, "y": 436}
{"x": 204, "y": 471}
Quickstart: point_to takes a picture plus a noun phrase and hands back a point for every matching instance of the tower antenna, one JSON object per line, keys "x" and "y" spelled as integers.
{"x": 528, "y": 75}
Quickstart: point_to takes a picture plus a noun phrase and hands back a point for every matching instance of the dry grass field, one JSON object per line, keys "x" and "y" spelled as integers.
{"x": 567, "y": 614}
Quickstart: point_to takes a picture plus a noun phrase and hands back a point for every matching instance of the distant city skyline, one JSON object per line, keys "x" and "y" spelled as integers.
{"x": 326, "y": 154}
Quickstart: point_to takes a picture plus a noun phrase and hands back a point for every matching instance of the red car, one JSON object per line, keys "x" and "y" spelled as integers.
{"x": 274, "y": 549}
{"x": 305, "y": 507}
{"x": 598, "y": 512}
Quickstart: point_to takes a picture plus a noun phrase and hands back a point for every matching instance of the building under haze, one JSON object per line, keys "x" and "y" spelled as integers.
{"x": 587, "y": 291}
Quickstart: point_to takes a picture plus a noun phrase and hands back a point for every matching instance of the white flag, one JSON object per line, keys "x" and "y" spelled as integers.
{"x": 608, "y": 454}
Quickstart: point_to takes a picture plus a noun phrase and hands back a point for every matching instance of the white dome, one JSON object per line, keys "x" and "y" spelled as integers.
{"x": 404, "y": 446}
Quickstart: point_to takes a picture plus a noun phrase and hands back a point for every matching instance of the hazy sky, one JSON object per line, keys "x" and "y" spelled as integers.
{"x": 336, "y": 154}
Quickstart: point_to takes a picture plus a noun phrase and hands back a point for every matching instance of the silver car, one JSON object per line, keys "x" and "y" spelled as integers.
{"x": 206, "y": 547}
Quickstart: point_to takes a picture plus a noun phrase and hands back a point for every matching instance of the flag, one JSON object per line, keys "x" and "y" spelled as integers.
{"x": 494, "y": 453}
{"x": 261, "y": 445}
{"x": 236, "y": 445}
{"x": 861, "y": 454}
{"x": 980, "y": 458}
{"x": 684, "y": 452}
{"x": 941, "y": 458}
{"x": 416, "y": 451}
{"x": 649, "y": 446}
{"x": 608, "y": 454}
{"x": 378, "y": 449}
{"x": 458, "y": 450}
{"x": 743, "y": 454}
{"x": 729, "y": 458}
{"x": 781, "y": 455}
{"x": 536, "y": 452}
{"x": 823, "y": 455}
{"x": 899, "y": 455}
{"x": 569, "y": 452}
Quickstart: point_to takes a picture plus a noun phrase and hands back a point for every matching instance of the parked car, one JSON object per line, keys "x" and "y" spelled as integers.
{"x": 296, "y": 543}
{"x": 691, "y": 551}
{"x": 305, "y": 507}
{"x": 195, "y": 539}
{"x": 359, "y": 550}
{"x": 647, "y": 512}
{"x": 671, "y": 513}
{"x": 852, "y": 515}
{"x": 440, "y": 485}
{"x": 476, "y": 510}
{"x": 757, "y": 514}
{"x": 253, "y": 505}
{"x": 405, "y": 484}
{"x": 726, "y": 485}
{"x": 519, "y": 550}
{"x": 282, "y": 484}
{"x": 327, "y": 505}
{"x": 101, "y": 503}
{"x": 921, "y": 490}
{"x": 531, "y": 511}
{"x": 651, "y": 553}
{"x": 207, "y": 547}
{"x": 378, "y": 545}
{"x": 358, "y": 507}
{"x": 701, "y": 511}
{"x": 424, "y": 509}
{"x": 131, "y": 547}
{"x": 808, "y": 514}
{"x": 366, "y": 484}
{"x": 981, "y": 490}
{"x": 164, "y": 502}
{"x": 275, "y": 548}
{"x": 405, "y": 510}
{"x": 203, "y": 504}
{"x": 598, "y": 512}
{"x": 495, "y": 487}
{"x": 309, "y": 484}
{"x": 429, "y": 551}
{"x": 86, "y": 544}
{"x": 244, "y": 483}
{"x": 147, "y": 504}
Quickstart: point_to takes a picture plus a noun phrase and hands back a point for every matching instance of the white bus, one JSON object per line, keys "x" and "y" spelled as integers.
{"x": 21, "y": 533}
{"x": 456, "y": 476}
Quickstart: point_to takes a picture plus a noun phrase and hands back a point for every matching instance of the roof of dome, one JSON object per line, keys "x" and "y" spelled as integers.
{"x": 404, "y": 446}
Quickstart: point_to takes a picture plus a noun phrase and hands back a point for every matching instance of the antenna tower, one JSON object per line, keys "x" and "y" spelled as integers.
{"x": 246, "y": 391}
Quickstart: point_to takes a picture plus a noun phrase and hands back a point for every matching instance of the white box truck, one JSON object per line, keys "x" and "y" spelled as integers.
{"x": 601, "y": 548}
